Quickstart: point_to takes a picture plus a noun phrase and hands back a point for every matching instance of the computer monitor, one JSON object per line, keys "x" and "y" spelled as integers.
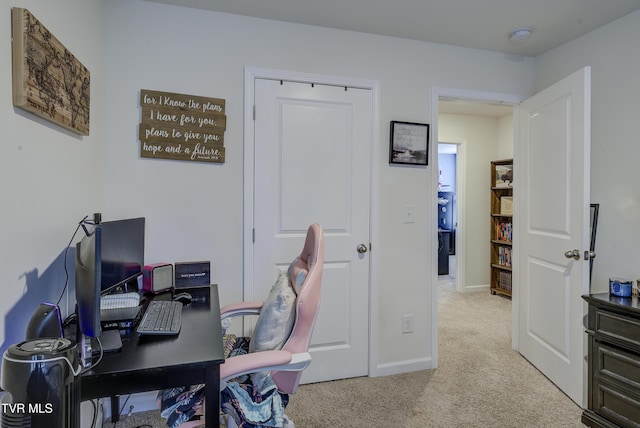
{"x": 88, "y": 274}
{"x": 109, "y": 257}
{"x": 122, "y": 254}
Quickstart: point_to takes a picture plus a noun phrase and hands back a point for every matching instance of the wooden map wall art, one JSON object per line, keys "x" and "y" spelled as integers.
{"x": 48, "y": 80}
{"x": 182, "y": 127}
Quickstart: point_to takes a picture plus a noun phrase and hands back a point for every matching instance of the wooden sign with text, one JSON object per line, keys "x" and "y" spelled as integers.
{"x": 182, "y": 127}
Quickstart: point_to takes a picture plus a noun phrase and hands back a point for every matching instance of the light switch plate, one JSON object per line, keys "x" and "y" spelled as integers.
{"x": 409, "y": 214}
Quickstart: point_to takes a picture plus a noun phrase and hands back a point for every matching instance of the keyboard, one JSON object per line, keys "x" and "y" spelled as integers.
{"x": 162, "y": 317}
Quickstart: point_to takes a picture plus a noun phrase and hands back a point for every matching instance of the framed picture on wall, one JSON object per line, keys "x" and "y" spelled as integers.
{"x": 504, "y": 176}
{"x": 409, "y": 143}
{"x": 48, "y": 81}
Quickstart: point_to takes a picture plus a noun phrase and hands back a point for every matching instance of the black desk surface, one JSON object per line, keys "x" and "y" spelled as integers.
{"x": 148, "y": 363}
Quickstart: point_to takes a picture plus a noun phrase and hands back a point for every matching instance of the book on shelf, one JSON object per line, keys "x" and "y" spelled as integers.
{"x": 504, "y": 231}
{"x": 504, "y": 256}
{"x": 506, "y": 205}
{"x": 504, "y": 281}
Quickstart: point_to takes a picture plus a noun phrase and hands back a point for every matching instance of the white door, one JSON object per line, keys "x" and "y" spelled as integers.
{"x": 553, "y": 218}
{"x": 312, "y": 165}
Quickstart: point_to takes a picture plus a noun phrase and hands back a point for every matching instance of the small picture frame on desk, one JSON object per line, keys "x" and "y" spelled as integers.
{"x": 409, "y": 143}
{"x": 192, "y": 274}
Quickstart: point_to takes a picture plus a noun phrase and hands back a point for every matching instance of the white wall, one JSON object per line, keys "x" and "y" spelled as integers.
{"x": 611, "y": 51}
{"x": 50, "y": 178}
{"x": 505, "y": 137}
{"x": 447, "y": 167}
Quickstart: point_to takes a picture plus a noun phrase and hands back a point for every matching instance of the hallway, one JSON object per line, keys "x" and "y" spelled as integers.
{"x": 448, "y": 282}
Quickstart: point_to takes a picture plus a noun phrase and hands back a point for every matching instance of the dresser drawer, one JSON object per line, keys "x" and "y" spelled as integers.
{"x": 609, "y": 325}
{"x": 616, "y": 405}
{"x": 616, "y": 365}
{"x": 616, "y": 385}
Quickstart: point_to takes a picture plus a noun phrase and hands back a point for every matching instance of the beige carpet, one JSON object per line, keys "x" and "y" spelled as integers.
{"x": 480, "y": 382}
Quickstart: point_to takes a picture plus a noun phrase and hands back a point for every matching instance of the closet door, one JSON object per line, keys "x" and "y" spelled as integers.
{"x": 312, "y": 165}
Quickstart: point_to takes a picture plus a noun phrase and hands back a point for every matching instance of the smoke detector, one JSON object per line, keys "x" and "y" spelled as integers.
{"x": 520, "y": 34}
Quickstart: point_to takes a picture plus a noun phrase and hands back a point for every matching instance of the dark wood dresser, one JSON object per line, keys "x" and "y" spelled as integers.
{"x": 613, "y": 326}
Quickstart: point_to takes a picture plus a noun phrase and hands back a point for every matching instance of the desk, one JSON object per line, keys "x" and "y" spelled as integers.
{"x": 152, "y": 363}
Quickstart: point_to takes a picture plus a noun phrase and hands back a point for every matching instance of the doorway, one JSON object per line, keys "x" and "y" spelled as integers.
{"x": 557, "y": 117}
{"x": 471, "y": 134}
{"x": 449, "y": 169}
{"x": 472, "y": 236}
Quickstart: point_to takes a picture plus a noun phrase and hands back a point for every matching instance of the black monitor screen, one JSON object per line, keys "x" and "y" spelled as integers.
{"x": 122, "y": 252}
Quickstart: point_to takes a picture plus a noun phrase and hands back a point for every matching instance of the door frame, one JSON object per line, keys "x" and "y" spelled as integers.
{"x": 477, "y": 96}
{"x": 250, "y": 75}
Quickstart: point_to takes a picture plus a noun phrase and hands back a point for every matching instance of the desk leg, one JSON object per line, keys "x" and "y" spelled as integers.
{"x": 115, "y": 408}
{"x": 212, "y": 396}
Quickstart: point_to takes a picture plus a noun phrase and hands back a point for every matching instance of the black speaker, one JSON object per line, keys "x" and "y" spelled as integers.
{"x": 157, "y": 277}
{"x": 45, "y": 322}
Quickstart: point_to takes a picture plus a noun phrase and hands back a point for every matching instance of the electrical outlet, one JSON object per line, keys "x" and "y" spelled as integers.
{"x": 409, "y": 214}
{"x": 407, "y": 323}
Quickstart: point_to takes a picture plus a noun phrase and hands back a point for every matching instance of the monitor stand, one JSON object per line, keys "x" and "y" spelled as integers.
{"x": 110, "y": 341}
{"x": 85, "y": 349}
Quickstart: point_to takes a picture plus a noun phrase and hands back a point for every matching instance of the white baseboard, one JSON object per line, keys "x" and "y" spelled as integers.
{"x": 406, "y": 366}
{"x": 473, "y": 288}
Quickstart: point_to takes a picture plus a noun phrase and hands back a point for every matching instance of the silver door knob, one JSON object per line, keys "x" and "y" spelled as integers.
{"x": 362, "y": 248}
{"x": 572, "y": 254}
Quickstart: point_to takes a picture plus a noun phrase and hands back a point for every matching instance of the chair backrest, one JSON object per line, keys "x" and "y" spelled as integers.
{"x": 307, "y": 305}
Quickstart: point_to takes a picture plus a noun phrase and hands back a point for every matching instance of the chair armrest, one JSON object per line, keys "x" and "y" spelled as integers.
{"x": 240, "y": 306}
{"x": 262, "y": 361}
{"x": 238, "y": 310}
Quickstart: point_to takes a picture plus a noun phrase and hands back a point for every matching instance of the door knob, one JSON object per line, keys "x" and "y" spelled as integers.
{"x": 572, "y": 254}
{"x": 362, "y": 248}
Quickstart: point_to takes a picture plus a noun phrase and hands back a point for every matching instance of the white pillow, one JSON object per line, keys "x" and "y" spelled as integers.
{"x": 276, "y": 318}
{"x": 297, "y": 273}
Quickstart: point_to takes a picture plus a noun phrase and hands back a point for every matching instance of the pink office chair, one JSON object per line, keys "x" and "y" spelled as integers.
{"x": 286, "y": 365}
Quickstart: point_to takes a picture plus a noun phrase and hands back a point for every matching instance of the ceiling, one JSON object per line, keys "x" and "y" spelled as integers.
{"x": 481, "y": 24}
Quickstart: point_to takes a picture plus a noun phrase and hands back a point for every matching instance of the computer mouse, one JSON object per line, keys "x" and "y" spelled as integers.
{"x": 183, "y": 298}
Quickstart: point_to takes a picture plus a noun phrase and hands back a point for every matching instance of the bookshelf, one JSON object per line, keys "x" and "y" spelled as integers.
{"x": 501, "y": 226}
